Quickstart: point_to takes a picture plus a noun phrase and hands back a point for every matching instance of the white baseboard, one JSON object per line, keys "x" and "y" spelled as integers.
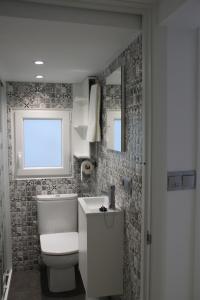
{"x": 7, "y": 287}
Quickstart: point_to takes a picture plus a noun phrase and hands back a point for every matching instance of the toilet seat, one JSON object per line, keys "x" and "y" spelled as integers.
{"x": 64, "y": 243}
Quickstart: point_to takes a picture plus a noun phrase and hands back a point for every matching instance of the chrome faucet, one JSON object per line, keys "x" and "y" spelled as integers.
{"x": 111, "y": 196}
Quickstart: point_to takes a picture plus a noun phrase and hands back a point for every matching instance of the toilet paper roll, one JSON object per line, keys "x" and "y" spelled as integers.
{"x": 86, "y": 168}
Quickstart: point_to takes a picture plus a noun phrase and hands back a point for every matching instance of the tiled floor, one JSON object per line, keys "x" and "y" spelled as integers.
{"x": 25, "y": 285}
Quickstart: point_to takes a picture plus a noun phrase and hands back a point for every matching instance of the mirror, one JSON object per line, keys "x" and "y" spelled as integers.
{"x": 115, "y": 111}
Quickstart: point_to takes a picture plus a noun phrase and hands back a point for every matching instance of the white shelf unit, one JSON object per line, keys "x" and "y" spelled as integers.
{"x": 81, "y": 147}
{"x": 82, "y": 130}
{"x": 81, "y": 155}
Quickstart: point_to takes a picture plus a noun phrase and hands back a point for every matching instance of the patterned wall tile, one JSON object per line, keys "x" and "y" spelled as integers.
{"x": 113, "y": 166}
{"x": 2, "y": 195}
{"x": 25, "y": 239}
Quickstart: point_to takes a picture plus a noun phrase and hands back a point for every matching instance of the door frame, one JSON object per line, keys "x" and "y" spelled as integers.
{"x": 145, "y": 10}
{"x": 147, "y": 163}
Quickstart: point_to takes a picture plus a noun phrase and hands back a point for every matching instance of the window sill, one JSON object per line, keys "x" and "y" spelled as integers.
{"x": 43, "y": 177}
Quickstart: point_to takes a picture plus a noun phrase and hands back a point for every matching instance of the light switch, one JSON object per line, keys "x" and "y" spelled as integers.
{"x": 181, "y": 180}
{"x": 174, "y": 182}
{"x": 188, "y": 181}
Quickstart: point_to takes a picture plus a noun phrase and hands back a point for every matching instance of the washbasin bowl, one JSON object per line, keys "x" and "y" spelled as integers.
{"x": 95, "y": 202}
{"x": 92, "y": 204}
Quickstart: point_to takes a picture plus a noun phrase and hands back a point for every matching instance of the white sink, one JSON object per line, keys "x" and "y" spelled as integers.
{"x": 92, "y": 204}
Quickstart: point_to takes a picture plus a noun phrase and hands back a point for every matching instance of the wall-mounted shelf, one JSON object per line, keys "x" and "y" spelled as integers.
{"x": 81, "y": 147}
{"x": 81, "y": 156}
{"x": 82, "y": 130}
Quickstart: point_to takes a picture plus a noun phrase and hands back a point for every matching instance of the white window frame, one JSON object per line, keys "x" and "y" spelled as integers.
{"x": 18, "y": 117}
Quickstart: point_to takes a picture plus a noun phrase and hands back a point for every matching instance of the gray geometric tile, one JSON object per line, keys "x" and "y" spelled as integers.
{"x": 25, "y": 239}
{"x": 113, "y": 166}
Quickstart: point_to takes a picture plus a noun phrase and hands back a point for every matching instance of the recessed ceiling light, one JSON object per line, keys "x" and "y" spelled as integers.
{"x": 39, "y": 76}
{"x": 38, "y": 62}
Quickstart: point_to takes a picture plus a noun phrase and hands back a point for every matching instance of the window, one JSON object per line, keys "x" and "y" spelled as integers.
{"x": 42, "y": 143}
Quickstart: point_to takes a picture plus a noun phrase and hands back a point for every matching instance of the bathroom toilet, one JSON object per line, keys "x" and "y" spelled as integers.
{"x": 57, "y": 220}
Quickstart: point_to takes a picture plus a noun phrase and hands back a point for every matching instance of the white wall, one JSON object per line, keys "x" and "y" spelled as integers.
{"x": 181, "y": 155}
{"x": 180, "y": 13}
{"x": 197, "y": 204}
{"x": 167, "y": 7}
{"x": 175, "y": 128}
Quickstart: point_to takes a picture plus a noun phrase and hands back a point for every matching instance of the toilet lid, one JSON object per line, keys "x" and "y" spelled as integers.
{"x": 59, "y": 243}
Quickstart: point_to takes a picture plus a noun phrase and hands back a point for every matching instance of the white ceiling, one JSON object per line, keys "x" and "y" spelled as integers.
{"x": 71, "y": 51}
{"x": 186, "y": 16}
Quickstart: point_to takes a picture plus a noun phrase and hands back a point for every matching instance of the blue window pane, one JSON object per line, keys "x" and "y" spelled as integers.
{"x": 42, "y": 143}
{"x": 117, "y": 134}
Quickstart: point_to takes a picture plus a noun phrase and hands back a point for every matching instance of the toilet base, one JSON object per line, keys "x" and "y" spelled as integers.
{"x": 61, "y": 280}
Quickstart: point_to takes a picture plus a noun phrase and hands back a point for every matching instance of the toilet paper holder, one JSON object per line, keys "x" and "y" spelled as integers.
{"x": 87, "y": 167}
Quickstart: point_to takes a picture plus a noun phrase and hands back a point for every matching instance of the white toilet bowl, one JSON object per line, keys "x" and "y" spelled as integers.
{"x": 57, "y": 220}
{"x": 60, "y": 255}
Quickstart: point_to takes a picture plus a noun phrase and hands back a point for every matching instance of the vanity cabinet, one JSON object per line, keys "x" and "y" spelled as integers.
{"x": 101, "y": 252}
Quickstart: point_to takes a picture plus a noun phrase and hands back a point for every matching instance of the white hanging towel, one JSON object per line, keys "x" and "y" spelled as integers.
{"x": 94, "y": 132}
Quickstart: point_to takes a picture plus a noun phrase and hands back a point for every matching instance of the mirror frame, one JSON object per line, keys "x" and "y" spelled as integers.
{"x": 123, "y": 109}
